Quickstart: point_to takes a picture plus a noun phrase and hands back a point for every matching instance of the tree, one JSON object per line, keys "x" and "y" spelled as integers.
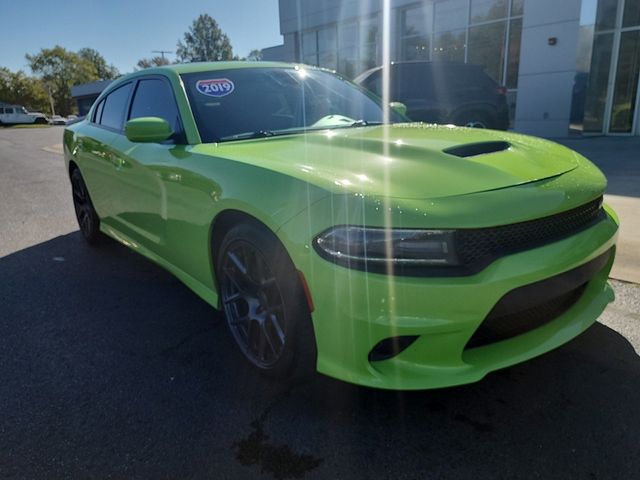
{"x": 204, "y": 42}
{"x": 104, "y": 71}
{"x": 59, "y": 70}
{"x": 255, "y": 55}
{"x": 20, "y": 89}
{"x": 152, "y": 62}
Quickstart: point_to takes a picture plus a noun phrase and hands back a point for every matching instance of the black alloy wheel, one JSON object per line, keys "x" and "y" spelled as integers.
{"x": 264, "y": 303}
{"x": 88, "y": 219}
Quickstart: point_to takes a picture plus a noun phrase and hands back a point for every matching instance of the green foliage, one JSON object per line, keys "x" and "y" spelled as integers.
{"x": 204, "y": 42}
{"x": 60, "y": 69}
{"x": 104, "y": 71}
{"x": 255, "y": 55}
{"x": 152, "y": 62}
{"x": 20, "y": 89}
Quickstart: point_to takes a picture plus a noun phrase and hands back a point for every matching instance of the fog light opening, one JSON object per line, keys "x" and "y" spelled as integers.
{"x": 390, "y": 347}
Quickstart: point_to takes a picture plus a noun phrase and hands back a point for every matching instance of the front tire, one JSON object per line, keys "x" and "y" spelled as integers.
{"x": 88, "y": 219}
{"x": 264, "y": 303}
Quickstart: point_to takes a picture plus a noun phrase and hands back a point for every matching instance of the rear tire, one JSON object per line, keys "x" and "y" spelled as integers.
{"x": 88, "y": 219}
{"x": 265, "y": 303}
{"x": 475, "y": 119}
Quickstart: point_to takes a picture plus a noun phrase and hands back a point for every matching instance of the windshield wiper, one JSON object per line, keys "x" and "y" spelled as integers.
{"x": 248, "y": 135}
{"x": 364, "y": 123}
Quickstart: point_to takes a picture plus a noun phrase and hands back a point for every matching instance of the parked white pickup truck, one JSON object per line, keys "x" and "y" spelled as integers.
{"x": 16, "y": 114}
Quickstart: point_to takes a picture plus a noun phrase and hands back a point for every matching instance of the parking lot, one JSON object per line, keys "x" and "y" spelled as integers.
{"x": 111, "y": 368}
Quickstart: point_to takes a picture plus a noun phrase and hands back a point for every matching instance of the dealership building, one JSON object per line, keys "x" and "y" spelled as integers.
{"x": 568, "y": 65}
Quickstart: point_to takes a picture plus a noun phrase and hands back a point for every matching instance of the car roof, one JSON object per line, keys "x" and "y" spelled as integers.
{"x": 196, "y": 67}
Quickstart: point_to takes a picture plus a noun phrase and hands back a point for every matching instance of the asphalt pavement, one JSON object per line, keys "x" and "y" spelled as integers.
{"x": 111, "y": 368}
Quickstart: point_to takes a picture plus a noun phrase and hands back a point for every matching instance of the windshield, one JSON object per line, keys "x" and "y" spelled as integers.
{"x": 253, "y": 102}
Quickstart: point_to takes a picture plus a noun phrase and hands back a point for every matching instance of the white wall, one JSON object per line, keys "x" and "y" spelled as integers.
{"x": 545, "y": 82}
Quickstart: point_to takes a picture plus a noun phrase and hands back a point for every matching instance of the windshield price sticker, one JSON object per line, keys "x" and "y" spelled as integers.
{"x": 215, "y": 87}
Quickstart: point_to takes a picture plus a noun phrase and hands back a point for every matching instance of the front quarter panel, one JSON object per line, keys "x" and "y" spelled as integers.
{"x": 196, "y": 188}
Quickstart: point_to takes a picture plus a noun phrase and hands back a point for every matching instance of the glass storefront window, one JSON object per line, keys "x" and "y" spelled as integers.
{"x": 596, "y": 96}
{"x": 451, "y": 15}
{"x": 486, "y": 10}
{"x": 310, "y": 46}
{"x": 449, "y": 46}
{"x": 626, "y": 83}
{"x": 513, "y": 58}
{"x": 327, "y": 39}
{"x": 358, "y": 45}
{"x": 631, "y": 17}
{"x": 517, "y": 7}
{"x": 606, "y": 16}
{"x": 369, "y": 31}
{"x": 417, "y": 25}
{"x": 327, "y": 47}
{"x": 487, "y": 48}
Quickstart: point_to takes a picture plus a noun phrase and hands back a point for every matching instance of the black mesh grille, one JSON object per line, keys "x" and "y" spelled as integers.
{"x": 495, "y": 329}
{"x": 536, "y": 304}
{"x": 478, "y": 247}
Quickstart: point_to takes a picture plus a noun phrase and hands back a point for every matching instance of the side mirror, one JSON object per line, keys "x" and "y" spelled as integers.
{"x": 399, "y": 107}
{"x": 148, "y": 130}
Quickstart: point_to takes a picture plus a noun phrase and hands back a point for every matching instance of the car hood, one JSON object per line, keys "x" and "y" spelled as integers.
{"x": 413, "y": 161}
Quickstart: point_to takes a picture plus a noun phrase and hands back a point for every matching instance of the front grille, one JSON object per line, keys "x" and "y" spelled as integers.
{"x": 532, "y": 306}
{"x": 478, "y": 247}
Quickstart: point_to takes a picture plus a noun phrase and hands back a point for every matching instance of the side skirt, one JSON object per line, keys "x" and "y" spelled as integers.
{"x": 199, "y": 288}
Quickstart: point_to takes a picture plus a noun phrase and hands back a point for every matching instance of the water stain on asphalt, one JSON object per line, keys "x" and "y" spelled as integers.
{"x": 278, "y": 460}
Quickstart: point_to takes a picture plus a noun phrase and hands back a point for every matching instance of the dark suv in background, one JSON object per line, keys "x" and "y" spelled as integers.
{"x": 444, "y": 92}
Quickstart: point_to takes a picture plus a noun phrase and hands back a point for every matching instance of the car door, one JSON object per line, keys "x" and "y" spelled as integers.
{"x": 144, "y": 168}
{"x": 96, "y": 157}
{"x": 9, "y": 115}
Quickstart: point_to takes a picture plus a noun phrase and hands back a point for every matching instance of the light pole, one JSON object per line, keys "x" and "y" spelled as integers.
{"x": 161, "y": 52}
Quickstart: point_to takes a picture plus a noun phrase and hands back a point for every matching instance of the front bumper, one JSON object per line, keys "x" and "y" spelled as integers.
{"x": 356, "y": 310}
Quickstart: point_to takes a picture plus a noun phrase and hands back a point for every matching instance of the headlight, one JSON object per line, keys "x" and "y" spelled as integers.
{"x": 398, "y": 251}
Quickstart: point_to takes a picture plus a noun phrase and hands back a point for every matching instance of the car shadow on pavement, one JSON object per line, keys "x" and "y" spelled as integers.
{"x": 110, "y": 367}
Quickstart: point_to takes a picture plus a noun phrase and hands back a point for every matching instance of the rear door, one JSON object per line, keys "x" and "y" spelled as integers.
{"x": 96, "y": 157}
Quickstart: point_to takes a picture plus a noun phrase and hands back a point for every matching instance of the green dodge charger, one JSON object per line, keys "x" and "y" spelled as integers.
{"x": 337, "y": 237}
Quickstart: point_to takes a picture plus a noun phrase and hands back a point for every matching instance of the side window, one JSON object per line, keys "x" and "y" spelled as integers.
{"x": 8, "y": 110}
{"x": 98, "y": 113}
{"x": 1, "y": 110}
{"x": 115, "y": 104}
{"x": 374, "y": 82}
{"x": 154, "y": 98}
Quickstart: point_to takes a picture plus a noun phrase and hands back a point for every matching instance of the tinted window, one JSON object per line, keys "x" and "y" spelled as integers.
{"x": 8, "y": 110}
{"x": 114, "y": 107}
{"x": 154, "y": 98}
{"x": 98, "y": 113}
{"x": 374, "y": 83}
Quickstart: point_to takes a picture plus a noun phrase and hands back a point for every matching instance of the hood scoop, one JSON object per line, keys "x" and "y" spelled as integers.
{"x": 476, "y": 149}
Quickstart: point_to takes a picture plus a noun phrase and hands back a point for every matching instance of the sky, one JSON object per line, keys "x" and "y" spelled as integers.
{"x": 124, "y": 31}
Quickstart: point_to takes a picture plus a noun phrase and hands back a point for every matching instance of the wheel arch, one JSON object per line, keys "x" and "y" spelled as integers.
{"x": 220, "y": 225}
{"x": 72, "y": 166}
{"x": 227, "y": 219}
